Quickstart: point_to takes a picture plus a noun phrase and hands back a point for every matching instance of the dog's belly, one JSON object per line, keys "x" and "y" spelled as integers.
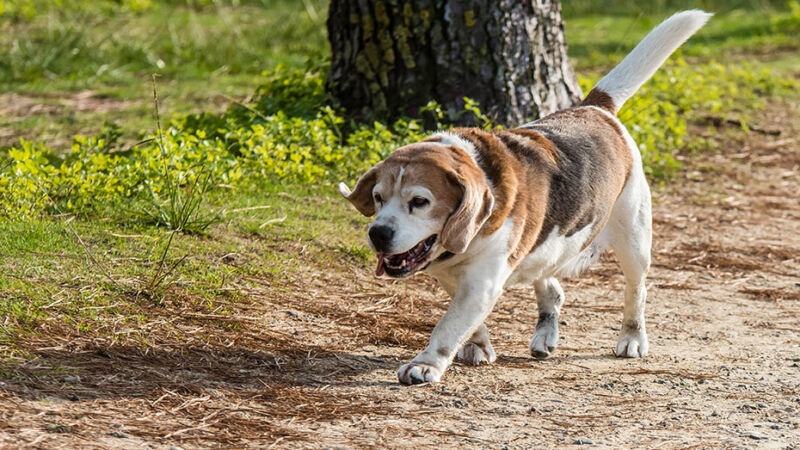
{"x": 558, "y": 256}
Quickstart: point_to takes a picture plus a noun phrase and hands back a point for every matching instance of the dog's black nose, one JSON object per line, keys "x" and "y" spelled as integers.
{"x": 381, "y": 237}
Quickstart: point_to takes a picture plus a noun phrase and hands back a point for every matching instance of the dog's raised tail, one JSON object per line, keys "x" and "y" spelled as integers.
{"x": 625, "y": 79}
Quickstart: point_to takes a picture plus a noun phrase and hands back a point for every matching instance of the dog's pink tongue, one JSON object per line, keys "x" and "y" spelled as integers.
{"x": 381, "y": 269}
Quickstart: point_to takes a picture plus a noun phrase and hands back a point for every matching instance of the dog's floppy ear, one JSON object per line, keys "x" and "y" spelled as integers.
{"x": 476, "y": 206}
{"x": 361, "y": 196}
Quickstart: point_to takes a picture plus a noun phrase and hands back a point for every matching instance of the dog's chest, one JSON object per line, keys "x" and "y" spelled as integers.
{"x": 557, "y": 256}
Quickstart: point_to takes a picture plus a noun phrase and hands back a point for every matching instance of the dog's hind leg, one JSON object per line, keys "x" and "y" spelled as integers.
{"x": 630, "y": 228}
{"x": 477, "y": 350}
{"x": 549, "y": 298}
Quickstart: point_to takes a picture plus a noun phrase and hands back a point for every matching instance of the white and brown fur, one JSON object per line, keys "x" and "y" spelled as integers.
{"x": 532, "y": 204}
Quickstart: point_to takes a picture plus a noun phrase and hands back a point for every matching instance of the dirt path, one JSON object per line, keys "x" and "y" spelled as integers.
{"x": 313, "y": 364}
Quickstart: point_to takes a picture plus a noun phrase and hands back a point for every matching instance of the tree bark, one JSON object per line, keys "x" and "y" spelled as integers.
{"x": 390, "y": 57}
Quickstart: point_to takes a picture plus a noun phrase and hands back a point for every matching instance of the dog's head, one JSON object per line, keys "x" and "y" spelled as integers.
{"x": 427, "y": 198}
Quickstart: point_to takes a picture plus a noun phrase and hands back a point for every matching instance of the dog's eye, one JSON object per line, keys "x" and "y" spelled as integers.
{"x": 378, "y": 198}
{"x": 418, "y": 202}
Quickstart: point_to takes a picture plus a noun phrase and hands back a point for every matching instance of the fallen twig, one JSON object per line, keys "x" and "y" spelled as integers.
{"x": 720, "y": 121}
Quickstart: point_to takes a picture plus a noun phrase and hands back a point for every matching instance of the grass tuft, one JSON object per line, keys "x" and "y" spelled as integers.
{"x": 183, "y": 209}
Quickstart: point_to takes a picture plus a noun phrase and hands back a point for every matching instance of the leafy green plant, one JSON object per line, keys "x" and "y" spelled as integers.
{"x": 481, "y": 119}
{"x": 296, "y": 93}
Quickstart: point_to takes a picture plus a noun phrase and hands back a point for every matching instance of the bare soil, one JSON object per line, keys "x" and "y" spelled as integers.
{"x": 61, "y": 115}
{"x": 313, "y": 363}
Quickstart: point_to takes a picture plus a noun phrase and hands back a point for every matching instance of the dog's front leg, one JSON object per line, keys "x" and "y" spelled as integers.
{"x": 477, "y": 290}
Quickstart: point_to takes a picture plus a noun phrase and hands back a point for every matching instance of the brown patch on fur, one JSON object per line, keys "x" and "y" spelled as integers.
{"x": 621, "y": 146}
{"x": 541, "y": 144}
{"x": 361, "y": 196}
{"x": 445, "y": 190}
{"x": 500, "y": 167}
{"x": 518, "y": 164}
{"x": 601, "y": 99}
{"x": 594, "y": 165}
{"x": 538, "y": 156}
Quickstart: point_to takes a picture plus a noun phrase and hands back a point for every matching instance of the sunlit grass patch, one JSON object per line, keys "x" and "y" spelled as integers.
{"x": 205, "y": 51}
{"x": 49, "y": 281}
{"x": 598, "y": 39}
{"x": 83, "y": 42}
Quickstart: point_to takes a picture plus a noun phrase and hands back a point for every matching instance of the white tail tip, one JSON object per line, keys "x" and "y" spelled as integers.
{"x": 643, "y": 61}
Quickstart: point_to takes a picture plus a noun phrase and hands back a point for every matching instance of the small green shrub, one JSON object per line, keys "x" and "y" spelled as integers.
{"x": 182, "y": 210}
{"x": 296, "y": 93}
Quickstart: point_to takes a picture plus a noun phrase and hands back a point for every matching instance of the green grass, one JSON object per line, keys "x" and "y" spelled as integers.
{"x": 599, "y": 41}
{"x": 665, "y": 7}
{"x": 203, "y": 54}
{"x": 71, "y": 49}
{"x": 49, "y": 281}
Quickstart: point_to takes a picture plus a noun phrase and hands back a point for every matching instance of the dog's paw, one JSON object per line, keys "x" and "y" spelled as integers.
{"x": 475, "y": 355}
{"x": 545, "y": 338}
{"x": 632, "y": 344}
{"x": 418, "y": 373}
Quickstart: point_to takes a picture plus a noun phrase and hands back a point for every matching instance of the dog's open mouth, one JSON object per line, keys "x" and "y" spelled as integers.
{"x": 404, "y": 264}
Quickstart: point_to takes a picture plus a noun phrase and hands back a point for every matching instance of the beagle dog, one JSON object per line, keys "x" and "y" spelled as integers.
{"x": 480, "y": 210}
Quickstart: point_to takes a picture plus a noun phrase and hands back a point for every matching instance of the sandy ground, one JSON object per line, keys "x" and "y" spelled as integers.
{"x": 313, "y": 363}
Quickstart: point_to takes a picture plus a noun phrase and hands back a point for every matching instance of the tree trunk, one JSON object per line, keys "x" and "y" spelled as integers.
{"x": 390, "y": 57}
